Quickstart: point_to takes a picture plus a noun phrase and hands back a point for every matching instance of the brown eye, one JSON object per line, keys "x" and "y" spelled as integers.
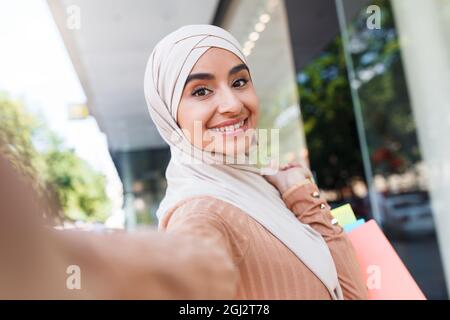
{"x": 240, "y": 83}
{"x": 201, "y": 92}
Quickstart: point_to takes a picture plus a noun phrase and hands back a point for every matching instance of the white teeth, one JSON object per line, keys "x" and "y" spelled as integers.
{"x": 229, "y": 128}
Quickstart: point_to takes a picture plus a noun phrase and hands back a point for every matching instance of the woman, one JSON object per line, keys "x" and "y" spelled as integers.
{"x": 276, "y": 230}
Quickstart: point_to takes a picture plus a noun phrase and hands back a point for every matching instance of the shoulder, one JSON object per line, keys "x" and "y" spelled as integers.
{"x": 206, "y": 208}
{"x": 210, "y": 218}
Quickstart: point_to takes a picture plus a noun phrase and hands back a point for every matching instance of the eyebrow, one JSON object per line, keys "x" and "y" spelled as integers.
{"x": 209, "y": 76}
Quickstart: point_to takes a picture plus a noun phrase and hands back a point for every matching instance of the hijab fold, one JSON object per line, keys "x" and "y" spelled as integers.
{"x": 240, "y": 185}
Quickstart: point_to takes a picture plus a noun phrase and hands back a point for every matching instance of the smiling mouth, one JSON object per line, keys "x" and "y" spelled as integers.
{"x": 233, "y": 129}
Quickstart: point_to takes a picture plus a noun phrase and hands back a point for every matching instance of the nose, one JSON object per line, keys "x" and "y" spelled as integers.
{"x": 229, "y": 102}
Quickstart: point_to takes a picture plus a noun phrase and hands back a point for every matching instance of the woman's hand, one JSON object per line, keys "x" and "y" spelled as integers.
{"x": 289, "y": 175}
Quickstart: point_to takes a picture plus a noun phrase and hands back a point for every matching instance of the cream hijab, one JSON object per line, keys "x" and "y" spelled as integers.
{"x": 242, "y": 186}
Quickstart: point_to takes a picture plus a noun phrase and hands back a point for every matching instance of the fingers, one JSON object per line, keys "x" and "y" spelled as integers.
{"x": 293, "y": 165}
{"x": 305, "y": 170}
{"x": 289, "y": 166}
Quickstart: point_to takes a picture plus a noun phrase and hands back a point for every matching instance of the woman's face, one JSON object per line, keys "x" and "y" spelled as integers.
{"x": 219, "y": 103}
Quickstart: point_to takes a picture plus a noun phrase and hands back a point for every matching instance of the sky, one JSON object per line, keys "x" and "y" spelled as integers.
{"x": 36, "y": 68}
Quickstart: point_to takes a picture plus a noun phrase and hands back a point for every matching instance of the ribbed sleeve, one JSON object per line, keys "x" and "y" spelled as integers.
{"x": 310, "y": 208}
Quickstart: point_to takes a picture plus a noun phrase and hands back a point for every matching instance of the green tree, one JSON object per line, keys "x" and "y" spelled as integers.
{"x": 75, "y": 190}
{"x": 327, "y": 106}
{"x": 329, "y": 122}
{"x": 80, "y": 189}
{"x": 388, "y": 120}
{"x": 16, "y": 129}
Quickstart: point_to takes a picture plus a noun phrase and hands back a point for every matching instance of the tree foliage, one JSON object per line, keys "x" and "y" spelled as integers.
{"x": 385, "y": 105}
{"x": 327, "y": 105}
{"x": 328, "y": 117}
{"x": 77, "y": 189}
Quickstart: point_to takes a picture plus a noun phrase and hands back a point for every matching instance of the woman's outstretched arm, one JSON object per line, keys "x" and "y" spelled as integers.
{"x": 196, "y": 218}
{"x": 305, "y": 202}
{"x": 34, "y": 258}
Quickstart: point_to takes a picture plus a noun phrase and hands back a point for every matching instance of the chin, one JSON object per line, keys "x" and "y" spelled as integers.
{"x": 234, "y": 147}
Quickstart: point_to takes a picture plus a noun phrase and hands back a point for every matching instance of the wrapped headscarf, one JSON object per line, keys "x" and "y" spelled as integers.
{"x": 244, "y": 187}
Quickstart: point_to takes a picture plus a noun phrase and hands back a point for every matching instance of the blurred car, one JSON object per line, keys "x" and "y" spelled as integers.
{"x": 408, "y": 214}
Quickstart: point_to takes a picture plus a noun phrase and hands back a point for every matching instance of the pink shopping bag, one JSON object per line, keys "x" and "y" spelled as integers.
{"x": 386, "y": 276}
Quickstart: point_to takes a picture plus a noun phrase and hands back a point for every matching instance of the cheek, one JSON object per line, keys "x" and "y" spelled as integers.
{"x": 252, "y": 104}
{"x": 193, "y": 113}
{"x": 189, "y": 112}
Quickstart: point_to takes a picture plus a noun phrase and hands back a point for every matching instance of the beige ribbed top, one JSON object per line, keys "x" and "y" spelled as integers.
{"x": 264, "y": 267}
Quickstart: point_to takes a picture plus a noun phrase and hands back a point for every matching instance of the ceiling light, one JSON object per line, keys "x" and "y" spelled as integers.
{"x": 249, "y": 44}
{"x": 254, "y": 36}
{"x": 264, "y": 18}
{"x": 259, "y": 27}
